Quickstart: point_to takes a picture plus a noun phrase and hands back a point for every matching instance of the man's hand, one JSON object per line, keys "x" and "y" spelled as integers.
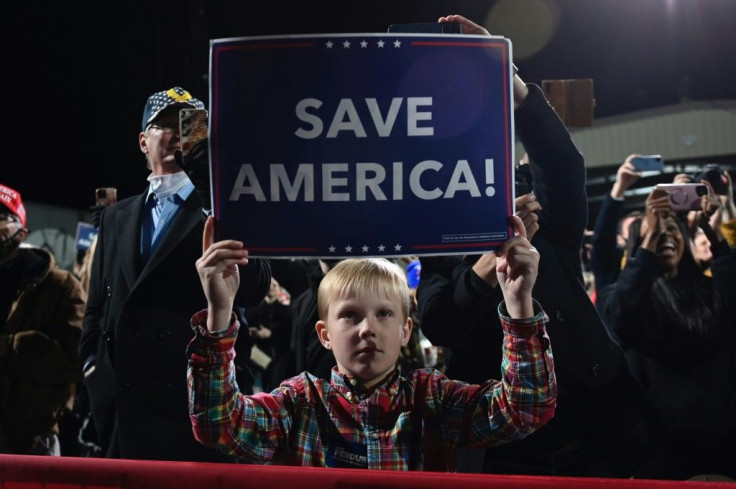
{"x": 219, "y": 275}
{"x": 259, "y": 332}
{"x": 197, "y": 167}
{"x": 682, "y": 178}
{"x": 729, "y": 209}
{"x": 527, "y": 208}
{"x": 517, "y": 264}
{"x": 710, "y": 217}
{"x": 626, "y": 176}
{"x": 470, "y": 27}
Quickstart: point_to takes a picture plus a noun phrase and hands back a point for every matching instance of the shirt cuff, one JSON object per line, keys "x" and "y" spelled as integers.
{"x": 525, "y": 326}
{"x": 199, "y": 325}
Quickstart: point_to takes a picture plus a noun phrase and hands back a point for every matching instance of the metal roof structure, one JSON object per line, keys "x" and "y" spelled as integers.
{"x": 688, "y": 135}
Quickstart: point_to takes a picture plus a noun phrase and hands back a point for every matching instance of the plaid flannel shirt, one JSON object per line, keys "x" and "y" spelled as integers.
{"x": 409, "y": 423}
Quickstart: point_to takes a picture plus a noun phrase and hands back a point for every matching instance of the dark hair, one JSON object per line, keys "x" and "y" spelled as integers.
{"x": 620, "y": 225}
{"x": 688, "y": 301}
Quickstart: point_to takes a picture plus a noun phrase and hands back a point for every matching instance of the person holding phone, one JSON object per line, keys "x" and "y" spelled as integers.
{"x": 722, "y": 184}
{"x": 593, "y": 432}
{"x": 611, "y": 228}
{"x": 142, "y": 291}
{"x": 677, "y": 327}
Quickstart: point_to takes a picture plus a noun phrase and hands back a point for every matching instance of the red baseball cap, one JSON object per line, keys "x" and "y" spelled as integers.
{"x": 11, "y": 199}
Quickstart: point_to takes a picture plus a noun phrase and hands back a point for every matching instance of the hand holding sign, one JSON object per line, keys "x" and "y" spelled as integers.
{"x": 219, "y": 275}
{"x": 517, "y": 262}
{"x": 345, "y": 125}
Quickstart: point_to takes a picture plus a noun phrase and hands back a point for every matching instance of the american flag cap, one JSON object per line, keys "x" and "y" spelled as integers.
{"x": 167, "y": 98}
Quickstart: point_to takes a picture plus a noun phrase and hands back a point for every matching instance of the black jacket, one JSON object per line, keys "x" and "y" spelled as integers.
{"x": 137, "y": 327}
{"x": 459, "y": 310}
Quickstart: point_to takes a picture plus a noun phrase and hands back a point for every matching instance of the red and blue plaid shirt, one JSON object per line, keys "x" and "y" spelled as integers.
{"x": 415, "y": 422}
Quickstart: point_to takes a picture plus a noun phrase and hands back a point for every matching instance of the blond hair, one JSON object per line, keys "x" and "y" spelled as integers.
{"x": 355, "y": 276}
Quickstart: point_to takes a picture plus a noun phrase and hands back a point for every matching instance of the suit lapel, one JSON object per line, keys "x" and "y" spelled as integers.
{"x": 128, "y": 236}
{"x": 185, "y": 220}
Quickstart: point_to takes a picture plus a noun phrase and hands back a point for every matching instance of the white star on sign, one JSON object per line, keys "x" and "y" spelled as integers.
{"x": 380, "y": 43}
{"x": 363, "y": 44}
{"x": 397, "y": 43}
{"x": 397, "y": 247}
{"x": 381, "y": 248}
{"x": 328, "y": 44}
{"x": 365, "y": 248}
{"x": 332, "y": 249}
{"x": 348, "y": 249}
{"x": 346, "y": 44}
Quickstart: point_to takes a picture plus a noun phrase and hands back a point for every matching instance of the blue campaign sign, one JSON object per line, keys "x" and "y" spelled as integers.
{"x": 86, "y": 233}
{"x": 346, "y": 145}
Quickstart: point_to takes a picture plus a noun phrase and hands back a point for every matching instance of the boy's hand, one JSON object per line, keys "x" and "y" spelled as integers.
{"x": 526, "y": 208}
{"x": 218, "y": 273}
{"x": 517, "y": 263}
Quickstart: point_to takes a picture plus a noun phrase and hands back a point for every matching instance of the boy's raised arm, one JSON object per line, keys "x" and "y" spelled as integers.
{"x": 517, "y": 262}
{"x": 218, "y": 273}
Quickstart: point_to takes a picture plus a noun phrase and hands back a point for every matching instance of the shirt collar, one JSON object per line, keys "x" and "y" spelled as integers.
{"x": 166, "y": 185}
{"x": 345, "y": 384}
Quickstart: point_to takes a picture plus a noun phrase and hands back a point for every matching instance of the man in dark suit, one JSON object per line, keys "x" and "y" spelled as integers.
{"x": 143, "y": 290}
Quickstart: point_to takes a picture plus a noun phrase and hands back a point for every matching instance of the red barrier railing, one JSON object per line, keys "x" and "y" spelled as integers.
{"x": 36, "y": 472}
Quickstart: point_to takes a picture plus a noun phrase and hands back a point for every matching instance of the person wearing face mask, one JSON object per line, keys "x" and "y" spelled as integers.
{"x": 678, "y": 329}
{"x": 142, "y": 291}
{"x": 41, "y": 310}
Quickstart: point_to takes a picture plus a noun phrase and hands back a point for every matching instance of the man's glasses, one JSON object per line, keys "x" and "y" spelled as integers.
{"x": 166, "y": 127}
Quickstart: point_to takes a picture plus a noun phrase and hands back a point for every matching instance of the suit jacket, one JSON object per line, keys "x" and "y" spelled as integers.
{"x": 137, "y": 327}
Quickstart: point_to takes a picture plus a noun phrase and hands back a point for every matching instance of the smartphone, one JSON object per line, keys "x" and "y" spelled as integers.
{"x": 648, "y": 163}
{"x": 426, "y": 28}
{"x": 713, "y": 175}
{"x": 105, "y": 196}
{"x": 684, "y": 196}
{"x": 192, "y": 128}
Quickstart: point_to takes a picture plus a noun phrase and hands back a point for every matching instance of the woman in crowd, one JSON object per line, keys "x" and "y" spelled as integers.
{"x": 677, "y": 328}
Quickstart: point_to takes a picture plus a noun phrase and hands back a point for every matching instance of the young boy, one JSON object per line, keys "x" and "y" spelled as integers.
{"x": 369, "y": 415}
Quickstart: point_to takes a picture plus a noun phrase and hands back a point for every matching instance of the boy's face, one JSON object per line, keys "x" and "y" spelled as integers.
{"x": 366, "y": 334}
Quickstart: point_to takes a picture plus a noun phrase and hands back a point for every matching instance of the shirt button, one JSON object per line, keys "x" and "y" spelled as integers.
{"x": 108, "y": 291}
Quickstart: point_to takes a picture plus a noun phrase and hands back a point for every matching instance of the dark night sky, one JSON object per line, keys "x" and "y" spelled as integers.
{"x": 77, "y": 74}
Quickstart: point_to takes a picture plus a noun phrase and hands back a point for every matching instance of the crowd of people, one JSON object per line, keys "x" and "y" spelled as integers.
{"x": 431, "y": 363}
